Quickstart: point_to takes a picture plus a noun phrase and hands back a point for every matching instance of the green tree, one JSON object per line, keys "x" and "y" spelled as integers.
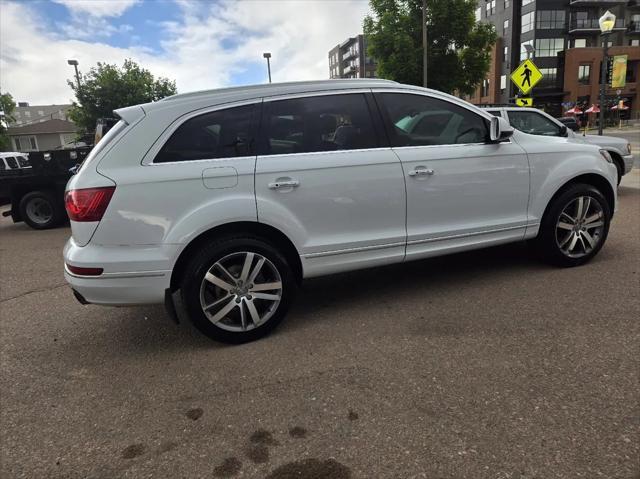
{"x": 107, "y": 87}
{"x": 458, "y": 47}
{"x": 7, "y": 106}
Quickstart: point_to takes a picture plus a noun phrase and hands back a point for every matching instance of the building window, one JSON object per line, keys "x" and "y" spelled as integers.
{"x": 491, "y": 7}
{"x": 549, "y": 76}
{"x": 527, "y": 2}
{"x": 25, "y": 143}
{"x": 528, "y": 20}
{"x": 549, "y": 47}
{"x": 505, "y": 26}
{"x": 548, "y": 19}
{"x": 523, "y": 50}
{"x": 27, "y": 114}
{"x": 505, "y": 54}
{"x": 634, "y": 42}
{"x": 503, "y": 83}
{"x": 507, "y": 3}
{"x": 580, "y": 43}
{"x": 485, "y": 87}
{"x": 478, "y": 14}
{"x": 584, "y": 74}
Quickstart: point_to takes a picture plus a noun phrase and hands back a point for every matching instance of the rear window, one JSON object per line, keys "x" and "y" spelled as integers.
{"x": 11, "y": 161}
{"x": 106, "y": 139}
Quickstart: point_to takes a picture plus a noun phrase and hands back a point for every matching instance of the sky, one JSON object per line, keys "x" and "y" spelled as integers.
{"x": 201, "y": 44}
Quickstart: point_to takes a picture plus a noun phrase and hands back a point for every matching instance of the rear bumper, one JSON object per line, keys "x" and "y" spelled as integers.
{"x": 132, "y": 275}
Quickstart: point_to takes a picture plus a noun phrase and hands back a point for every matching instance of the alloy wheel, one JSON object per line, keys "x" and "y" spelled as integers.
{"x": 241, "y": 291}
{"x": 580, "y": 227}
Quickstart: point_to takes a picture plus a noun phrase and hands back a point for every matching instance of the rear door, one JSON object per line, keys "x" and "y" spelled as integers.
{"x": 461, "y": 190}
{"x": 326, "y": 177}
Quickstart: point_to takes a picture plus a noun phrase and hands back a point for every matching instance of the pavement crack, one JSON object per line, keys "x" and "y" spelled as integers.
{"x": 31, "y": 291}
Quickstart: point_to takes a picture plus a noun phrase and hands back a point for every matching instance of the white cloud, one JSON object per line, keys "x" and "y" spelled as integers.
{"x": 98, "y": 8}
{"x": 202, "y": 48}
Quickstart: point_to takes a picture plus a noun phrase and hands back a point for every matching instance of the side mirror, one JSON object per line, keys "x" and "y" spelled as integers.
{"x": 499, "y": 130}
{"x": 563, "y": 131}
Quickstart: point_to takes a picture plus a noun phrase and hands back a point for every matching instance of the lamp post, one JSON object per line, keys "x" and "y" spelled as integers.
{"x": 607, "y": 22}
{"x": 75, "y": 66}
{"x": 267, "y": 55}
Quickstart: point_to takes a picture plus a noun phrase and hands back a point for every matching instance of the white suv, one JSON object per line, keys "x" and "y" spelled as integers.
{"x": 228, "y": 198}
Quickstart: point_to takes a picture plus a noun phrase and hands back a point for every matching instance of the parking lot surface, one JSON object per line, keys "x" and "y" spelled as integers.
{"x": 482, "y": 365}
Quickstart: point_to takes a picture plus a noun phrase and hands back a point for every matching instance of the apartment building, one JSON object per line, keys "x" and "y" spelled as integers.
{"x": 563, "y": 39}
{"x": 350, "y": 59}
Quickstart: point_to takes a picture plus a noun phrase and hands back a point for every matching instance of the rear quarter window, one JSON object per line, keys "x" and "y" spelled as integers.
{"x": 226, "y": 133}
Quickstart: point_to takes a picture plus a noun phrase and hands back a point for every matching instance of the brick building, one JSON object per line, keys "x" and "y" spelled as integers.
{"x": 567, "y": 44}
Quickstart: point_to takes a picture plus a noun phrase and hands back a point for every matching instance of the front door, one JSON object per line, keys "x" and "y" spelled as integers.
{"x": 325, "y": 179}
{"x": 461, "y": 190}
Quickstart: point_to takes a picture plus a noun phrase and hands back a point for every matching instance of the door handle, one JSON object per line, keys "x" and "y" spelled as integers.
{"x": 421, "y": 171}
{"x": 276, "y": 185}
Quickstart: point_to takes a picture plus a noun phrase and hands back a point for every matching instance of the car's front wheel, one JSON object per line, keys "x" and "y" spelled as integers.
{"x": 575, "y": 226}
{"x": 237, "y": 289}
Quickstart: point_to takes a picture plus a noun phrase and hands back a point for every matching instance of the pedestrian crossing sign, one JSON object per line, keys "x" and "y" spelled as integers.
{"x": 524, "y": 102}
{"x": 526, "y": 76}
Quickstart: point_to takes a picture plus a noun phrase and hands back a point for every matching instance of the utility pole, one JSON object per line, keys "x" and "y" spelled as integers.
{"x": 424, "y": 43}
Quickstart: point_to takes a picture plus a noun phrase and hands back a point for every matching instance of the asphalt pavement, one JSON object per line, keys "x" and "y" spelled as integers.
{"x": 486, "y": 364}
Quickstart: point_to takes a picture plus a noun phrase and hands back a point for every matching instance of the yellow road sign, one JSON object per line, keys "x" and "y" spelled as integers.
{"x": 526, "y": 76}
{"x": 524, "y": 101}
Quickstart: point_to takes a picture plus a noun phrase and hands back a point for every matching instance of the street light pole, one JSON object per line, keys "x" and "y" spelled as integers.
{"x": 75, "y": 66}
{"x": 603, "y": 81}
{"x": 267, "y": 55}
{"x": 607, "y": 22}
{"x": 424, "y": 43}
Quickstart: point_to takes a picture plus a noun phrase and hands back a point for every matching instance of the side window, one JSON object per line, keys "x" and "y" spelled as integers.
{"x": 319, "y": 123}
{"x": 418, "y": 120}
{"x": 533, "y": 123}
{"x": 219, "y": 134}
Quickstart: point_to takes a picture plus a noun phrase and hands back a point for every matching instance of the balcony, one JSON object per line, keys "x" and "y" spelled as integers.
{"x": 595, "y": 3}
{"x": 349, "y": 53}
{"x": 591, "y": 25}
{"x": 350, "y": 69}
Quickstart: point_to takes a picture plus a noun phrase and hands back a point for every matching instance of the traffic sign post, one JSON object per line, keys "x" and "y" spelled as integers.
{"x": 526, "y": 76}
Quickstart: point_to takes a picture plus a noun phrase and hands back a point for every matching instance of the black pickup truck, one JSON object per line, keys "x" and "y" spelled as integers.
{"x": 36, "y": 194}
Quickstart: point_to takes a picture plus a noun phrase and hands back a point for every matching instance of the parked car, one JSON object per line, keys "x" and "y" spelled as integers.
{"x": 537, "y": 122}
{"x": 13, "y": 160}
{"x": 570, "y": 122}
{"x": 225, "y": 200}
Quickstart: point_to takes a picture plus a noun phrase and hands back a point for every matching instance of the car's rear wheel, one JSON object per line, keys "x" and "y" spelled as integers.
{"x": 237, "y": 289}
{"x": 575, "y": 226}
{"x": 41, "y": 210}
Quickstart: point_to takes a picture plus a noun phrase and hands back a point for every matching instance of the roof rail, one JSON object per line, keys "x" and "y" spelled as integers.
{"x": 347, "y": 81}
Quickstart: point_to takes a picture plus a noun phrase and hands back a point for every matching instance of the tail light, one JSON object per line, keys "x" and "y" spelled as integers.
{"x": 88, "y": 204}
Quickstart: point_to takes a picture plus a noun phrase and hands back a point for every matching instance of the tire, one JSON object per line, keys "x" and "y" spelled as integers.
{"x": 236, "y": 314}
{"x": 557, "y": 231}
{"x": 41, "y": 210}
